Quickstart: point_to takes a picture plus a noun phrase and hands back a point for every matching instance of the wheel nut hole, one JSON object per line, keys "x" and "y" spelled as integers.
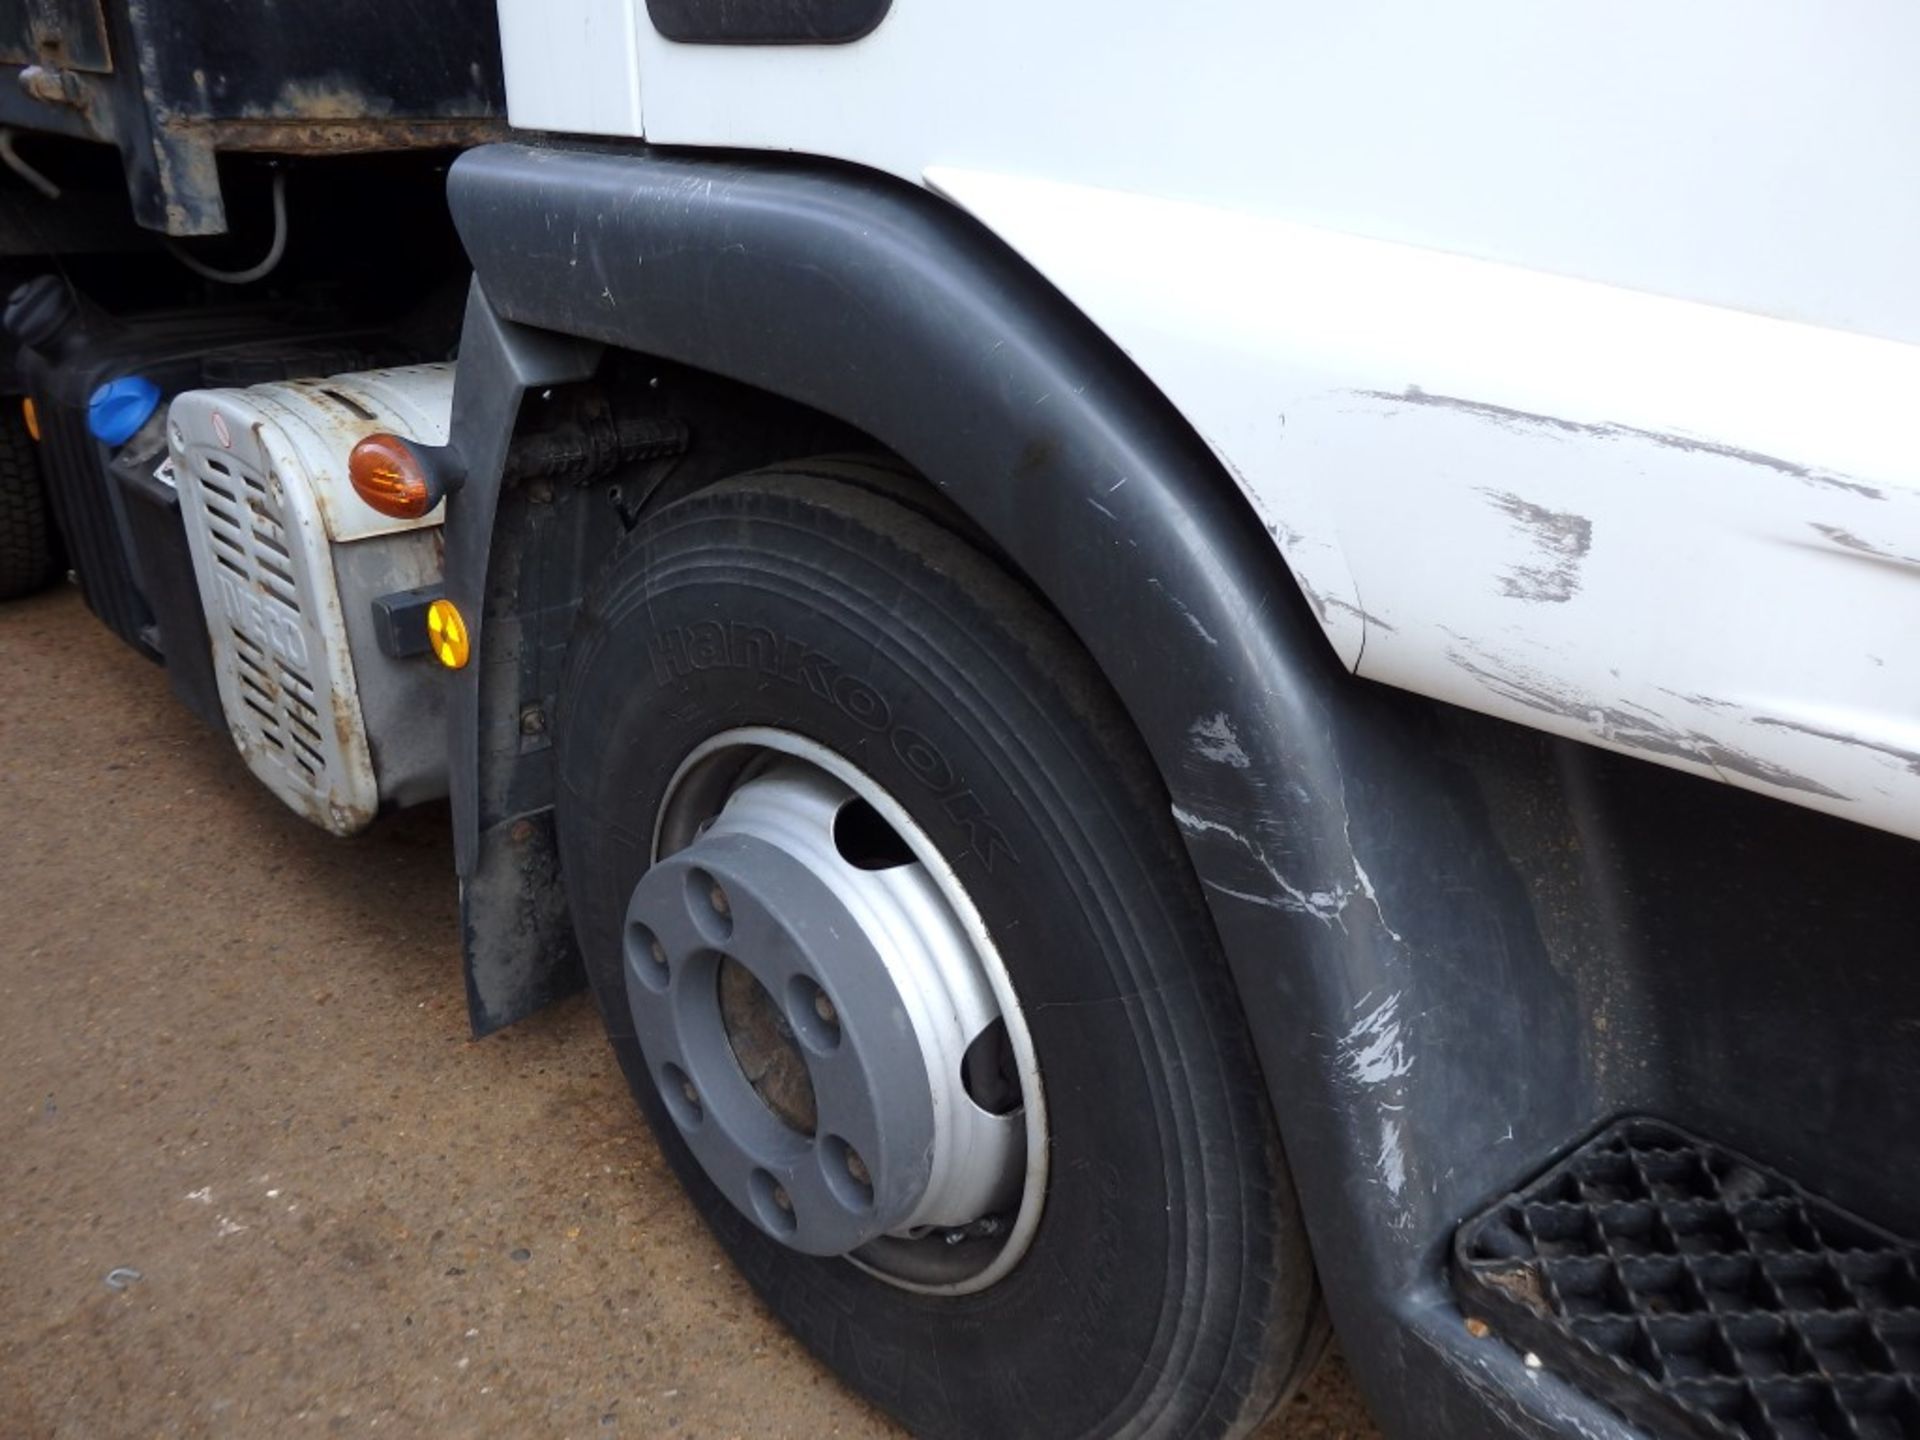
{"x": 866, "y": 841}
{"x": 712, "y": 907}
{"x": 682, "y": 1097}
{"x": 989, "y": 1072}
{"x": 647, "y": 957}
{"x": 814, "y": 1017}
{"x": 847, "y": 1174}
{"x": 772, "y": 1203}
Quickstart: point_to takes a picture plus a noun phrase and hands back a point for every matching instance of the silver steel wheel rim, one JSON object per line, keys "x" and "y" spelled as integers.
{"x": 942, "y": 1259}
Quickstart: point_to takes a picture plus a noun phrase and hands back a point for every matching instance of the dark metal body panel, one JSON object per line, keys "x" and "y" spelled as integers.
{"x": 173, "y": 85}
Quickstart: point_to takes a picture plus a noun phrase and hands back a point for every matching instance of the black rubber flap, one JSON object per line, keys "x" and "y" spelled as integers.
{"x": 1701, "y": 1294}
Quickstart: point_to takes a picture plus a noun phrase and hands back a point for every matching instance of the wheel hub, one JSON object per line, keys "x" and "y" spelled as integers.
{"x": 807, "y": 1007}
{"x": 766, "y": 1048}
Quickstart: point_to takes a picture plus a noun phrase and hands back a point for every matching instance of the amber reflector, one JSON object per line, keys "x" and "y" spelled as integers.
{"x": 386, "y": 474}
{"x": 447, "y": 631}
{"x": 31, "y": 416}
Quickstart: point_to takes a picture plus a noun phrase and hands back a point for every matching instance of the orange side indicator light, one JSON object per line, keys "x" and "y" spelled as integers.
{"x": 387, "y": 475}
{"x": 31, "y": 415}
{"x": 447, "y": 632}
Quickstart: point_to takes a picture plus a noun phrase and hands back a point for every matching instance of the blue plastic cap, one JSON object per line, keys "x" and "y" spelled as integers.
{"x": 120, "y": 407}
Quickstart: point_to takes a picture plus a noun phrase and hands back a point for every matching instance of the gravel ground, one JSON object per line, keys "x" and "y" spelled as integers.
{"x": 256, "y": 1179}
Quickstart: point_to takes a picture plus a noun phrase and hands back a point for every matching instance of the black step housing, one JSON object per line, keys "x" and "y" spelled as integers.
{"x": 1700, "y": 1293}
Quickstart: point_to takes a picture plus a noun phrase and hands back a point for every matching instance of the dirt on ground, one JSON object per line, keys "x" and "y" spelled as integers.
{"x": 256, "y": 1177}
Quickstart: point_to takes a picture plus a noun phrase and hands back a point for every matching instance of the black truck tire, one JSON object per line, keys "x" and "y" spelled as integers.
{"x": 1167, "y": 1289}
{"x": 29, "y": 545}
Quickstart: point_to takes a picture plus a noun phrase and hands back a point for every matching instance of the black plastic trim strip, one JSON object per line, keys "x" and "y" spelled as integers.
{"x": 767, "y": 22}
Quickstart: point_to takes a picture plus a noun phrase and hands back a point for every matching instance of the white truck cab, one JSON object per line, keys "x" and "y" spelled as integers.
{"x": 1566, "y": 355}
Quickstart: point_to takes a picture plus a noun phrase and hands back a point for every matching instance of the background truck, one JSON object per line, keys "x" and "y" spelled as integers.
{"x": 1183, "y": 679}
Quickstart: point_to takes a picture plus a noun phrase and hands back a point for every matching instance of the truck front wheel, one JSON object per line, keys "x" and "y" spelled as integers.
{"x": 890, "y": 929}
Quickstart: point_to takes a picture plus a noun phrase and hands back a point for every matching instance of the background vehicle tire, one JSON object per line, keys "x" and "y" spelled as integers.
{"x": 29, "y": 549}
{"x": 1168, "y": 1289}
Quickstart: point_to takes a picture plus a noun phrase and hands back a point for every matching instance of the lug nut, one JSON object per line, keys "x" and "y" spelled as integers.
{"x": 693, "y": 1095}
{"x": 659, "y": 953}
{"x": 782, "y": 1199}
{"x": 857, "y": 1168}
{"x": 823, "y": 1007}
{"x": 717, "y": 898}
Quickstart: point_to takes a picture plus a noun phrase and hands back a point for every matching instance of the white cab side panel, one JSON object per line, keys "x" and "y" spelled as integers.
{"x": 1671, "y": 529}
{"x": 572, "y": 65}
{"x": 1761, "y": 154}
{"x": 1569, "y": 352}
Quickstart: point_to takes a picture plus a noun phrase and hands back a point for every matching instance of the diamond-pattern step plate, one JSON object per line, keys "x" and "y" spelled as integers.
{"x": 1702, "y": 1294}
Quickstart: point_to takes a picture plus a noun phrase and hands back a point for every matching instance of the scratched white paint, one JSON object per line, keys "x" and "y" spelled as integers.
{"x": 1375, "y": 1057}
{"x": 1214, "y": 739}
{"x": 1326, "y": 903}
{"x": 1350, "y": 242}
{"x": 1392, "y": 1159}
{"x": 1372, "y": 1050}
{"x": 1684, "y": 532}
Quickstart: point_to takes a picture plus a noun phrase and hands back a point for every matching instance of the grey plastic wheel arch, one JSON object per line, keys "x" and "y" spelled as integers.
{"x": 1357, "y": 885}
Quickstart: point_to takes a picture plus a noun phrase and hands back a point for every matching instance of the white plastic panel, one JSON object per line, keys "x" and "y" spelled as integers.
{"x": 572, "y": 65}
{"x": 1757, "y": 154}
{"x": 261, "y": 475}
{"x": 1674, "y": 530}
